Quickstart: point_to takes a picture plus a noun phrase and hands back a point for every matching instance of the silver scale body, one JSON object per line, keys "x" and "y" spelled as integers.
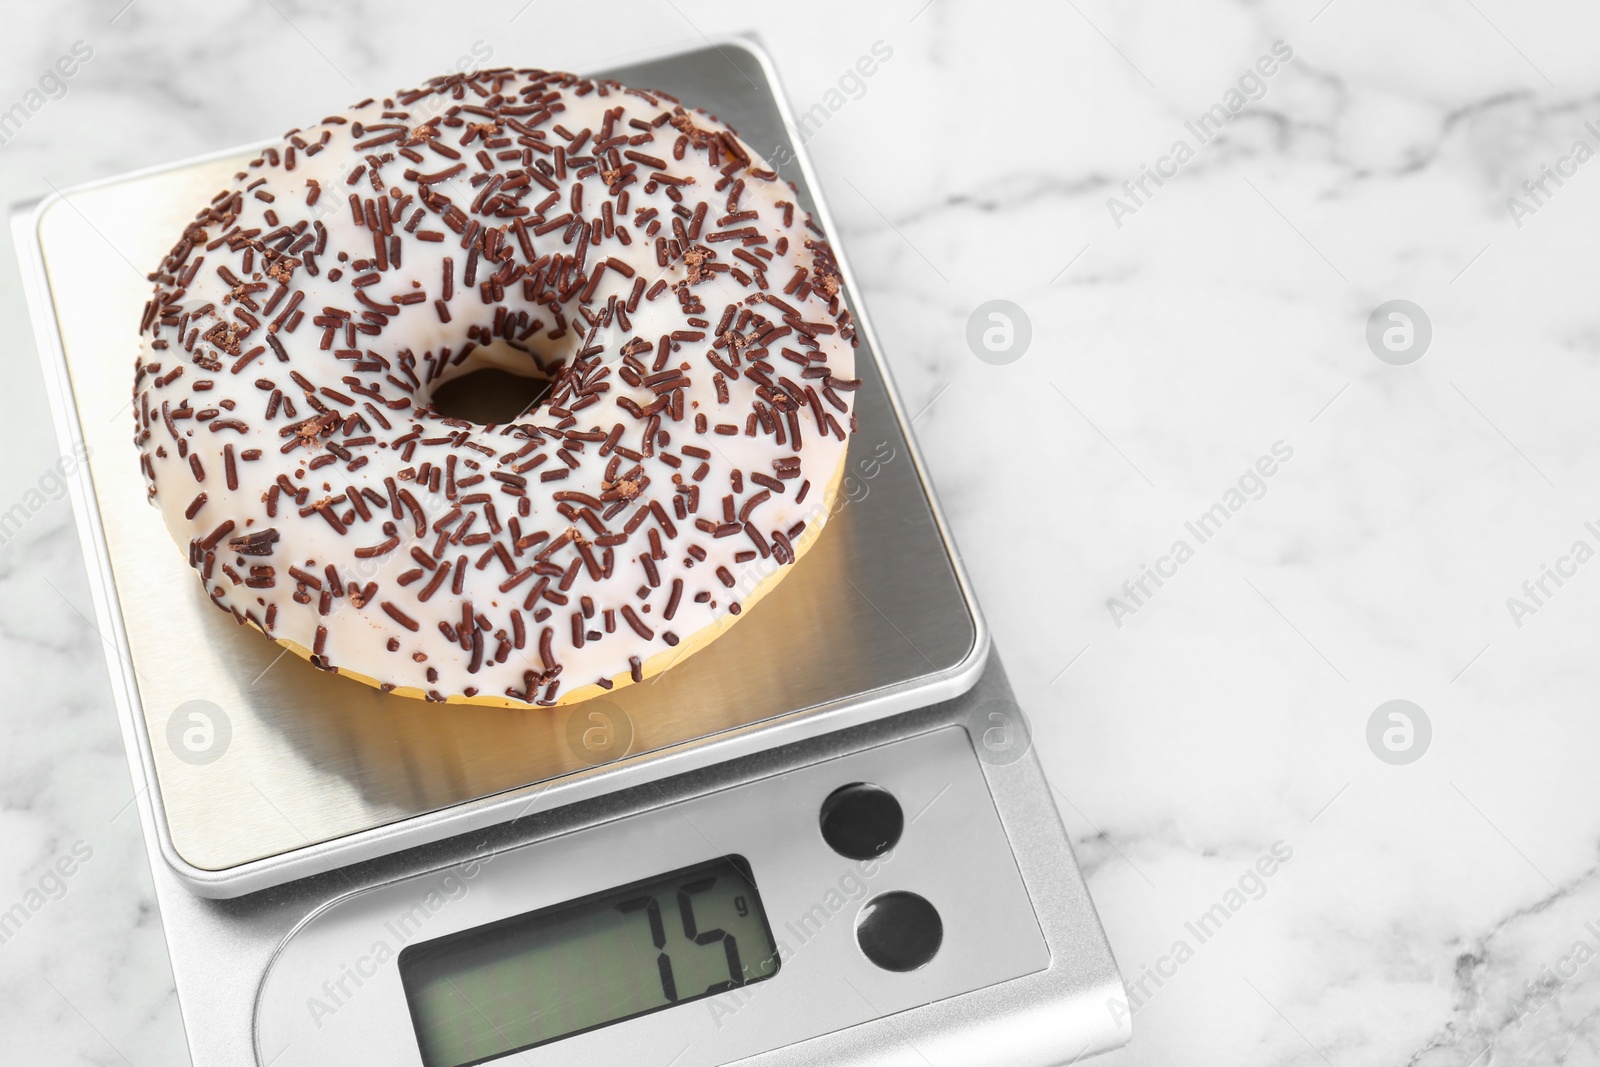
{"x": 339, "y": 824}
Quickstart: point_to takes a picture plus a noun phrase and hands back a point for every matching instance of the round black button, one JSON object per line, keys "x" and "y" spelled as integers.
{"x": 899, "y": 931}
{"x": 862, "y": 821}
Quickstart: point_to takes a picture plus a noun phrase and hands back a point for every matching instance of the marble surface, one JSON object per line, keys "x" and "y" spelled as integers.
{"x": 1442, "y": 912}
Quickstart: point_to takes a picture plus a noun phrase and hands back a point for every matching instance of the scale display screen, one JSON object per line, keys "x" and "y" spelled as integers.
{"x": 548, "y": 974}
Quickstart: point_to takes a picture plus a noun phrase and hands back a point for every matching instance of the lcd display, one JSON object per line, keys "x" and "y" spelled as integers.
{"x": 548, "y": 974}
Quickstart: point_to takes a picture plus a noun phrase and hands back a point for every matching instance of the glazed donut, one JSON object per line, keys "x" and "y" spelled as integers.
{"x": 632, "y": 251}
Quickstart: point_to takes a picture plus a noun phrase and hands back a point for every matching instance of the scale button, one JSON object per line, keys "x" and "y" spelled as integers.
{"x": 862, "y": 821}
{"x": 899, "y": 931}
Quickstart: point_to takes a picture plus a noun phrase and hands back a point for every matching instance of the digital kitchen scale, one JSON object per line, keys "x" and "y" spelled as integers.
{"x": 845, "y": 855}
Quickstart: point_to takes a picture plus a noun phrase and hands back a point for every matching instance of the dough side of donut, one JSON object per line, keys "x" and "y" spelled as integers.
{"x": 629, "y": 248}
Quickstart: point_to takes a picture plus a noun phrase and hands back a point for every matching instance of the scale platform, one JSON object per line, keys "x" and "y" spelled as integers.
{"x": 296, "y": 820}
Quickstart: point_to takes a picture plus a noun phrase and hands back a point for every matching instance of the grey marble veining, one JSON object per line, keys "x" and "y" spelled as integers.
{"x": 1445, "y": 912}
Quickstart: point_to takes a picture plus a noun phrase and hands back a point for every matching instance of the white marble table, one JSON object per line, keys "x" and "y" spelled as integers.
{"x": 1440, "y": 912}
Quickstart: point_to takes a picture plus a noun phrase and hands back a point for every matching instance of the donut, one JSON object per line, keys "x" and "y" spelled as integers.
{"x": 631, "y": 251}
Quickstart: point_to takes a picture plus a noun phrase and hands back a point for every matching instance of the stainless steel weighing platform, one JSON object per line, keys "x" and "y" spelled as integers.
{"x": 321, "y": 833}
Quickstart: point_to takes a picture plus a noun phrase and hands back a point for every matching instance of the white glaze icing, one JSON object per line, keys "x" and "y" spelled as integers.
{"x": 437, "y": 494}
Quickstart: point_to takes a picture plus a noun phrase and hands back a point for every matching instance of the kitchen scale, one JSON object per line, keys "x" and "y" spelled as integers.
{"x": 845, "y": 855}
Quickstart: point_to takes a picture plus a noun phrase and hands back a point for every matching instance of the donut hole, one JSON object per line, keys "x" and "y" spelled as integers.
{"x": 489, "y": 395}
